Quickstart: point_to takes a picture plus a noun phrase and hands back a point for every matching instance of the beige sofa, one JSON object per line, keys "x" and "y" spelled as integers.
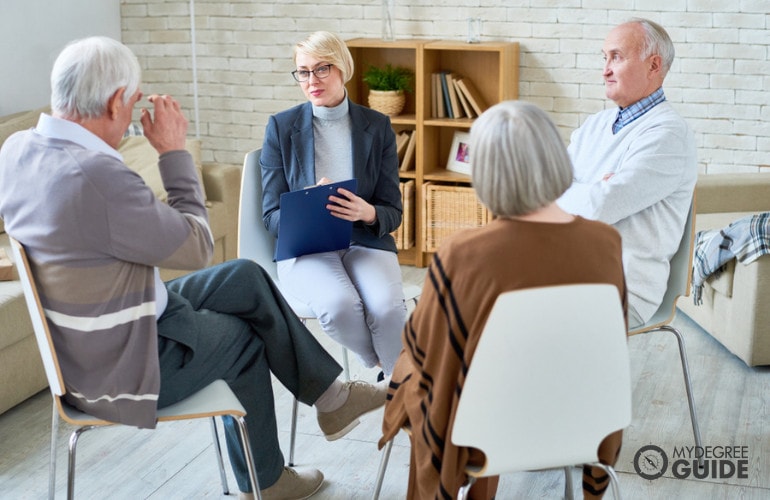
{"x": 736, "y": 304}
{"x": 21, "y": 371}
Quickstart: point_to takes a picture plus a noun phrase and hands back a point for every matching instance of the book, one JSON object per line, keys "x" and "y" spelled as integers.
{"x": 402, "y": 140}
{"x": 438, "y": 95}
{"x": 404, "y": 234}
{"x": 407, "y": 224}
{"x": 445, "y": 93}
{"x": 457, "y": 110}
{"x": 464, "y": 101}
{"x": 406, "y": 163}
{"x": 433, "y": 98}
{"x": 472, "y": 94}
{"x": 398, "y": 234}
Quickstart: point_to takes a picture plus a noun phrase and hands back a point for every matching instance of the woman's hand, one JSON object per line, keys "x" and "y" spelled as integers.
{"x": 349, "y": 206}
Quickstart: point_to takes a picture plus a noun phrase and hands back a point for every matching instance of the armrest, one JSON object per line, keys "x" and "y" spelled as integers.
{"x": 223, "y": 186}
{"x": 222, "y": 182}
{"x": 716, "y": 193}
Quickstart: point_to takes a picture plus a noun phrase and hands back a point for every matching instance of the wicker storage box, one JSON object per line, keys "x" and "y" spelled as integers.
{"x": 447, "y": 209}
{"x": 404, "y": 235}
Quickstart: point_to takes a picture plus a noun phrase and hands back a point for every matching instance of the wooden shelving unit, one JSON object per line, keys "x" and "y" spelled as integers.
{"x": 493, "y": 67}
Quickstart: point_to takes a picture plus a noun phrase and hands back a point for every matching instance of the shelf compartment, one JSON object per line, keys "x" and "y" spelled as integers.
{"x": 372, "y": 52}
{"x": 447, "y": 209}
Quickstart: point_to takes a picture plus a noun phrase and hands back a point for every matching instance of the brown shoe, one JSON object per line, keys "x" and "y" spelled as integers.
{"x": 294, "y": 484}
{"x": 362, "y": 399}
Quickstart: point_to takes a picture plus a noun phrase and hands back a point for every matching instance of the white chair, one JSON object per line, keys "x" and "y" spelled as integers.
{"x": 679, "y": 279}
{"x": 256, "y": 243}
{"x": 214, "y": 400}
{"x": 522, "y": 402}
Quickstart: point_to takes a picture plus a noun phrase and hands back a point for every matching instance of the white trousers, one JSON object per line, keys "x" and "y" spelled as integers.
{"x": 357, "y": 296}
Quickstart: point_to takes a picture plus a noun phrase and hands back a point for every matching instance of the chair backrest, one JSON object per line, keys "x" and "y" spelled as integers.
{"x": 679, "y": 277}
{"x": 39, "y": 321}
{"x": 549, "y": 379}
{"x": 254, "y": 240}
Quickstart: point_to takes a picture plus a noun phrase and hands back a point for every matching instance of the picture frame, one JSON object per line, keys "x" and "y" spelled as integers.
{"x": 458, "y": 160}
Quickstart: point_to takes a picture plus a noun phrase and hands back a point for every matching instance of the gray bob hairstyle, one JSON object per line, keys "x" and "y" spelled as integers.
{"x": 88, "y": 72}
{"x": 327, "y": 47}
{"x": 520, "y": 163}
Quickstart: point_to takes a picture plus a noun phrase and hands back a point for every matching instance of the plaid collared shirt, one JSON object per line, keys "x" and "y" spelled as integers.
{"x": 637, "y": 109}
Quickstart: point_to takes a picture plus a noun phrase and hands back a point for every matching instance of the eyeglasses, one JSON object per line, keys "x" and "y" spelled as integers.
{"x": 321, "y": 72}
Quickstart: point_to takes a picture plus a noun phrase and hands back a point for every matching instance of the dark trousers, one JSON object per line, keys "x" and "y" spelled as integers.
{"x": 230, "y": 322}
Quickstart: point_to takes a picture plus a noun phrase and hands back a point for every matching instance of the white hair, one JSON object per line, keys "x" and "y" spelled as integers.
{"x": 88, "y": 72}
{"x": 655, "y": 42}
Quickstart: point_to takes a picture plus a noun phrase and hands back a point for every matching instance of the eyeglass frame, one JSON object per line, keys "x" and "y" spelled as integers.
{"x": 313, "y": 71}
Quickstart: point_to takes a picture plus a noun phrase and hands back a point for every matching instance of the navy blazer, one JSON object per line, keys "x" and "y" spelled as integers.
{"x": 288, "y": 164}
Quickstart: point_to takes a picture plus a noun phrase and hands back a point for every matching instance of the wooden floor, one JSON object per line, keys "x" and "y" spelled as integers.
{"x": 176, "y": 461}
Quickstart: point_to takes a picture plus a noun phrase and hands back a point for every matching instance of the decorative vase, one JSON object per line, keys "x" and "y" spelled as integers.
{"x": 389, "y": 102}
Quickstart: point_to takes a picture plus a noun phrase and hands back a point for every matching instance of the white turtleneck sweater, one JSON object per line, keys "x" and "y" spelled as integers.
{"x": 333, "y": 144}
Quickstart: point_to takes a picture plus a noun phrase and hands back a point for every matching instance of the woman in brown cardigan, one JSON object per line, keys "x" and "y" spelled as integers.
{"x": 520, "y": 167}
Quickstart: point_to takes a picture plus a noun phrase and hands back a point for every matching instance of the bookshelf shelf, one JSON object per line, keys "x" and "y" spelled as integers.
{"x": 493, "y": 69}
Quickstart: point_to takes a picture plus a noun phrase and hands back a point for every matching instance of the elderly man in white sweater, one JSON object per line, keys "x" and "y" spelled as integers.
{"x": 635, "y": 166}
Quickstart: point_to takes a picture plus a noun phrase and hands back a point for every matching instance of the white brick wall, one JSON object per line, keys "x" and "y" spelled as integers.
{"x": 720, "y": 80}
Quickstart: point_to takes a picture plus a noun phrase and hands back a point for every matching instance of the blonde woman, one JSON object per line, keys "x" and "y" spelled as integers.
{"x": 355, "y": 293}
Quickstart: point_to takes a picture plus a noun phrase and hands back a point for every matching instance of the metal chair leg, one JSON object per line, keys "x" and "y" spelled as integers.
{"x": 614, "y": 482}
{"x": 569, "y": 492}
{"x": 52, "y": 459}
{"x": 249, "y": 458}
{"x": 688, "y": 387}
{"x": 218, "y": 451}
{"x": 466, "y": 489}
{"x": 381, "y": 470}
{"x": 71, "y": 461}
{"x": 294, "y": 410}
{"x": 293, "y": 434}
{"x": 345, "y": 363}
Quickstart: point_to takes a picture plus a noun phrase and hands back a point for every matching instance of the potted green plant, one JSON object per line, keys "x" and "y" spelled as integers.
{"x": 387, "y": 85}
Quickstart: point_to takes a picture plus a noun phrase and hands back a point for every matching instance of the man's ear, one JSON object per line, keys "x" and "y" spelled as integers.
{"x": 116, "y": 102}
{"x": 656, "y": 64}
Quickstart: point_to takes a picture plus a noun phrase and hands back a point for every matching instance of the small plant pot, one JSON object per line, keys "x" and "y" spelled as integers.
{"x": 388, "y": 102}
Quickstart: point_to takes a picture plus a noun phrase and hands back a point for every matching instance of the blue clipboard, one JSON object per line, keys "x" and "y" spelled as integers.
{"x": 307, "y": 226}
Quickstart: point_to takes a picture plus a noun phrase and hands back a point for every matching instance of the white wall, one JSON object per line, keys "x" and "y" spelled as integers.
{"x": 33, "y": 32}
{"x": 719, "y": 81}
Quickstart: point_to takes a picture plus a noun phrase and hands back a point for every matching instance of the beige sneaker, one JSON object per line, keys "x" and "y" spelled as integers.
{"x": 294, "y": 484}
{"x": 362, "y": 399}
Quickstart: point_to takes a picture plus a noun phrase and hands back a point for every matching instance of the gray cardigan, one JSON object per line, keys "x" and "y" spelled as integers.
{"x": 94, "y": 231}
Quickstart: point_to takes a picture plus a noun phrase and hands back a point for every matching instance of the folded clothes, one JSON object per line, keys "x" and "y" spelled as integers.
{"x": 745, "y": 239}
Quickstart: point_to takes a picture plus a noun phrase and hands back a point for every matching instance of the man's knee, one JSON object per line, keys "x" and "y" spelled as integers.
{"x": 245, "y": 267}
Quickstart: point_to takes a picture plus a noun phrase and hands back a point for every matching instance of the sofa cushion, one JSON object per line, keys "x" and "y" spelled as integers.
{"x": 14, "y": 317}
{"x": 13, "y": 313}
{"x": 23, "y": 120}
{"x": 142, "y": 158}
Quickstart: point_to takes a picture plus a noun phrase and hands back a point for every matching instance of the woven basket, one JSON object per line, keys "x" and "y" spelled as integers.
{"x": 389, "y": 102}
{"x": 447, "y": 209}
